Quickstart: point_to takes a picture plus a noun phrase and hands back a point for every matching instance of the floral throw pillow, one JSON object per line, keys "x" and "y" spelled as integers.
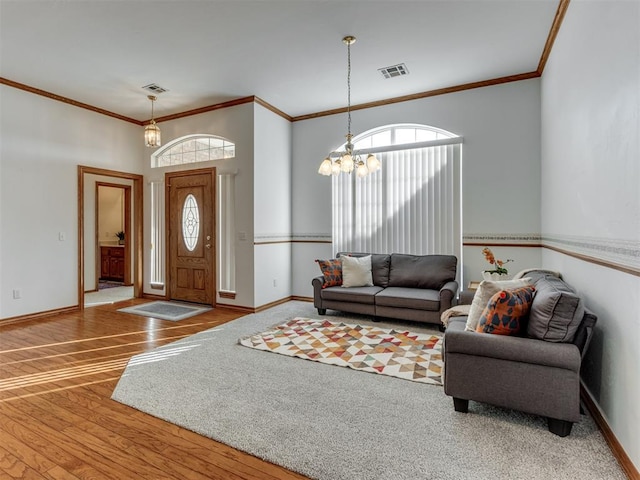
{"x": 332, "y": 272}
{"x": 507, "y": 311}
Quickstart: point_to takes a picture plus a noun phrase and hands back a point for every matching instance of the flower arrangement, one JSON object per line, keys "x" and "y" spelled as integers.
{"x": 498, "y": 264}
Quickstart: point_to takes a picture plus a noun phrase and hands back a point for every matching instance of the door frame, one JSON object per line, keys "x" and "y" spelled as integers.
{"x": 127, "y": 228}
{"x": 167, "y": 222}
{"x": 137, "y": 230}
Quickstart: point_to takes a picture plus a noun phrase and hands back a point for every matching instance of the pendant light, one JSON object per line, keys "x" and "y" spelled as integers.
{"x": 152, "y": 131}
{"x": 348, "y": 161}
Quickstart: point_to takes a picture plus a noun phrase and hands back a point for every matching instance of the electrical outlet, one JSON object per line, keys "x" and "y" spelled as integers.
{"x": 61, "y": 236}
{"x": 16, "y": 294}
{"x": 275, "y": 282}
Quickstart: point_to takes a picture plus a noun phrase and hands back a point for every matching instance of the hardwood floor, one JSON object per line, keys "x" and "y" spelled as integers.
{"x": 57, "y": 420}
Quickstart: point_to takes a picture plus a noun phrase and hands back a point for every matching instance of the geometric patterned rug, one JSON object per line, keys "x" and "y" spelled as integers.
{"x": 402, "y": 354}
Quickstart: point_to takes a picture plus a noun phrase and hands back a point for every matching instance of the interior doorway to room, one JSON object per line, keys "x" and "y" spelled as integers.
{"x": 190, "y": 238}
{"x": 113, "y": 229}
{"x": 101, "y": 256}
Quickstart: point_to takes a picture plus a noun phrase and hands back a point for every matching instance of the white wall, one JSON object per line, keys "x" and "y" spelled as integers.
{"x": 235, "y": 124}
{"x": 591, "y": 191}
{"x": 43, "y": 141}
{"x": 272, "y": 206}
{"x": 500, "y": 173}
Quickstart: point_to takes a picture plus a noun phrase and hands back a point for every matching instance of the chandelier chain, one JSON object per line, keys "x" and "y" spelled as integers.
{"x": 349, "y": 91}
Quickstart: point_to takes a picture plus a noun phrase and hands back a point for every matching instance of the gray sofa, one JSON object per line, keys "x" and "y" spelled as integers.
{"x": 533, "y": 375}
{"x": 407, "y": 287}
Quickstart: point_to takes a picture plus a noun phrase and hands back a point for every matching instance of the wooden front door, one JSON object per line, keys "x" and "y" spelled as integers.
{"x": 191, "y": 228}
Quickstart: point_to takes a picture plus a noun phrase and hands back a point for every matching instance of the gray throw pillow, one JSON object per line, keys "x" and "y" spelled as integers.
{"x": 556, "y": 311}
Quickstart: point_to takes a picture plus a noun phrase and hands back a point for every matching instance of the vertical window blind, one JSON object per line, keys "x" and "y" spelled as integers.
{"x": 412, "y": 205}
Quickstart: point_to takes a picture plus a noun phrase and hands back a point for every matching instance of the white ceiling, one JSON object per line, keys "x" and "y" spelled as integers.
{"x": 289, "y": 53}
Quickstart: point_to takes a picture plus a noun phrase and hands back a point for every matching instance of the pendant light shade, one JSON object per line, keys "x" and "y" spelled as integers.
{"x": 152, "y": 136}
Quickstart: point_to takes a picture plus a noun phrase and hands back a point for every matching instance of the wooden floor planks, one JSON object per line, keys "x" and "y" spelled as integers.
{"x": 57, "y": 420}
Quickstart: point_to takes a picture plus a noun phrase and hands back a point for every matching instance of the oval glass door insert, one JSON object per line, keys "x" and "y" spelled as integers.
{"x": 190, "y": 222}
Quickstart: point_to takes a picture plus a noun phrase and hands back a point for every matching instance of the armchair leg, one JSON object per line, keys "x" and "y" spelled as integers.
{"x": 562, "y": 428}
{"x": 460, "y": 405}
{"x": 322, "y": 311}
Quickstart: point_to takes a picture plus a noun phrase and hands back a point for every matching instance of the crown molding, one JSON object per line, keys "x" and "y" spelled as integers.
{"x": 553, "y": 32}
{"x": 70, "y": 101}
{"x": 430, "y": 93}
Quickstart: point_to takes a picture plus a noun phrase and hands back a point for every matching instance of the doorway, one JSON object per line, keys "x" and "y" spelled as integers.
{"x": 190, "y": 237}
{"x": 113, "y": 228}
{"x": 89, "y": 264}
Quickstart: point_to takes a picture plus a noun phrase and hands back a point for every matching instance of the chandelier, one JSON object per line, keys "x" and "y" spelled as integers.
{"x": 349, "y": 160}
{"x": 152, "y": 131}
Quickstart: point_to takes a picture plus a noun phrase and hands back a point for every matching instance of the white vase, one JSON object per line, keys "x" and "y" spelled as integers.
{"x": 495, "y": 276}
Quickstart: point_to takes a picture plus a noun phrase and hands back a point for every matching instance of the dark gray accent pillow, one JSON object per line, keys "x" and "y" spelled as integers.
{"x": 422, "y": 271}
{"x": 556, "y": 311}
{"x": 379, "y": 266}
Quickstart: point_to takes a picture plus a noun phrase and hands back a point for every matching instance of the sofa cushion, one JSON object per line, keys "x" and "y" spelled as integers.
{"x": 507, "y": 311}
{"x": 421, "y": 271}
{"x": 416, "y": 298}
{"x": 556, "y": 311}
{"x": 379, "y": 266}
{"x": 332, "y": 272}
{"x": 356, "y": 271}
{"x": 354, "y": 294}
{"x": 485, "y": 291}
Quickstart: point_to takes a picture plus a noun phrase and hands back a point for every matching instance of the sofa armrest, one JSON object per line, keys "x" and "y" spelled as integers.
{"x": 447, "y": 293}
{"x": 317, "y": 283}
{"x": 516, "y": 349}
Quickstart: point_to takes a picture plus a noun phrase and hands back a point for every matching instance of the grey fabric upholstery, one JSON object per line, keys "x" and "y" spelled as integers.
{"x": 409, "y": 302}
{"x": 556, "y": 311}
{"x": 422, "y": 271}
{"x": 409, "y": 298}
{"x": 379, "y": 266}
{"x": 352, "y": 294}
{"x": 523, "y": 373}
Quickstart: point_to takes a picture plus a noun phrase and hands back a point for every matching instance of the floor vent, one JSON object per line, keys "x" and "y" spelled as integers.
{"x": 394, "y": 71}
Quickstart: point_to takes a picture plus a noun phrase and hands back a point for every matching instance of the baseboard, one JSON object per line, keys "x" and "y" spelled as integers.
{"x": 623, "y": 459}
{"x": 238, "y": 308}
{"x": 39, "y": 315}
{"x": 302, "y": 299}
{"x": 273, "y": 304}
{"x": 152, "y": 296}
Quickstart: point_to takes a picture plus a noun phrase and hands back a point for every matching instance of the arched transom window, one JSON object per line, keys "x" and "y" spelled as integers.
{"x": 193, "y": 149}
{"x": 399, "y": 134}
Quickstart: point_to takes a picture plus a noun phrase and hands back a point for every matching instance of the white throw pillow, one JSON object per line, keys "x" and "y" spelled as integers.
{"x": 356, "y": 271}
{"x": 486, "y": 290}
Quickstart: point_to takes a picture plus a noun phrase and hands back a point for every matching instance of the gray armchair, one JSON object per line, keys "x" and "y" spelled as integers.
{"x": 534, "y": 376}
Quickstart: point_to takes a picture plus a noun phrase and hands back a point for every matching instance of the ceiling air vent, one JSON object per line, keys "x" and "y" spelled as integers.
{"x": 394, "y": 71}
{"x": 154, "y": 88}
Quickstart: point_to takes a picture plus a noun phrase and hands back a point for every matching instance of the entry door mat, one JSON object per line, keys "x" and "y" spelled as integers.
{"x": 173, "y": 311}
{"x": 397, "y": 353}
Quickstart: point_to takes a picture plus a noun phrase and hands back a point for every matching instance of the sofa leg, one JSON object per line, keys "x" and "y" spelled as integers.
{"x": 562, "y": 428}
{"x": 322, "y": 311}
{"x": 441, "y": 327}
{"x": 460, "y": 405}
{"x": 375, "y": 319}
